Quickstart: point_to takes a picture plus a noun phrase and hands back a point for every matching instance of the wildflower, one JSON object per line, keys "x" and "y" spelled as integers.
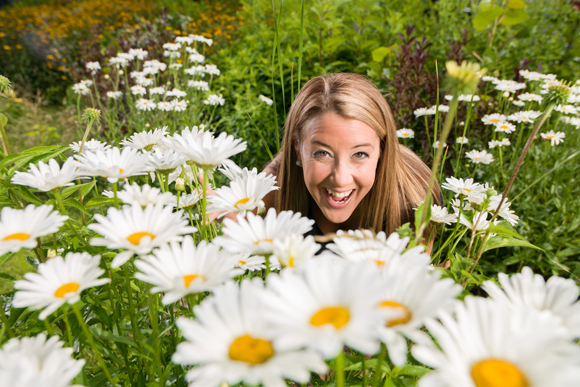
{"x": 244, "y": 194}
{"x": 112, "y": 163}
{"x": 524, "y": 116}
{"x": 58, "y": 281}
{"x": 336, "y": 306}
{"x": 5, "y": 84}
{"x": 505, "y": 127}
{"x": 182, "y": 269}
{"x": 172, "y": 46}
{"x": 196, "y": 58}
{"x": 172, "y": 54}
{"x": 566, "y": 109}
{"x": 267, "y": 100}
{"x": 479, "y": 221}
{"x": 509, "y": 86}
{"x": 176, "y": 93}
{"x": 254, "y": 235}
{"x": 156, "y": 90}
{"x": 405, "y": 133}
{"x": 118, "y": 62}
{"x": 199, "y": 85}
{"x": 139, "y": 230}
{"x": 93, "y": 67}
{"x": 214, "y": 99}
{"x": 480, "y": 157}
{"x": 114, "y": 94}
{"x": 145, "y": 104}
{"x": 138, "y": 53}
{"x": 38, "y": 361}
{"x": 81, "y": 89}
{"x": 175, "y": 66}
{"x": 473, "y": 191}
{"x": 440, "y": 215}
{"x": 294, "y": 250}
{"x": 206, "y": 150}
{"x": 519, "y": 103}
{"x": 188, "y": 201}
{"x": 575, "y": 121}
{"x": 143, "y": 81}
{"x": 142, "y": 195}
{"x": 461, "y": 140}
{"x": 574, "y": 98}
{"x": 166, "y": 106}
{"x": 138, "y": 90}
{"x": 555, "y": 138}
{"x": 530, "y": 97}
{"x": 423, "y": 112}
{"x": 90, "y": 146}
{"x": 492, "y": 119}
{"x": 437, "y": 144}
{"x": 21, "y": 228}
{"x": 212, "y": 70}
{"x": 164, "y": 160}
{"x": 531, "y": 75}
{"x": 179, "y": 106}
{"x": 496, "y": 143}
{"x": 463, "y": 78}
{"x": 153, "y": 66}
{"x": 558, "y": 296}
{"x": 152, "y": 139}
{"x": 486, "y": 343}
{"x": 488, "y": 78}
{"x": 126, "y": 56}
{"x": 440, "y": 108}
{"x": 504, "y": 211}
{"x": 196, "y": 70}
{"x": 47, "y": 177}
{"x": 557, "y": 94}
{"x": 242, "y": 353}
{"x": 184, "y": 39}
{"x": 565, "y": 119}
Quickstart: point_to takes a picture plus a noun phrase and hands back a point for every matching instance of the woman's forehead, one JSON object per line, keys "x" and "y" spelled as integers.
{"x": 331, "y": 128}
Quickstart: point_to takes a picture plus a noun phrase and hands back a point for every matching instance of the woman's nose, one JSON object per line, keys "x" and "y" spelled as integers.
{"x": 342, "y": 174}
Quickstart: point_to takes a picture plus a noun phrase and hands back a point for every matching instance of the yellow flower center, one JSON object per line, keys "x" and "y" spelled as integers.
{"x": 405, "y": 134}
{"x": 379, "y": 263}
{"x": 291, "y": 262}
{"x": 494, "y": 120}
{"x": 241, "y": 201}
{"x": 497, "y": 373}
{"x": 71, "y": 287}
{"x": 136, "y": 237}
{"x": 242, "y": 262}
{"x": 335, "y": 315}
{"x": 263, "y": 240}
{"x": 19, "y": 235}
{"x": 187, "y": 279}
{"x": 251, "y": 350}
{"x": 466, "y": 190}
{"x": 406, "y": 313}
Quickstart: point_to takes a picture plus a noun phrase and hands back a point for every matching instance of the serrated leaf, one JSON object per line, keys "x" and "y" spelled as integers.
{"x": 486, "y": 17}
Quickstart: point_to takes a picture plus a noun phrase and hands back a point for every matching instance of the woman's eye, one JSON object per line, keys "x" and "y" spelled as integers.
{"x": 360, "y": 155}
{"x": 321, "y": 153}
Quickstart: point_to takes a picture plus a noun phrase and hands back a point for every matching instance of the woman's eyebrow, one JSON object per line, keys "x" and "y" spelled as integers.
{"x": 363, "y": 145}
{"x": 320, "y": 143}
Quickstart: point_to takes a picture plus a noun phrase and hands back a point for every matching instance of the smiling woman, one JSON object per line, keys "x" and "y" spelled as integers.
{"x": 341, "y": 161}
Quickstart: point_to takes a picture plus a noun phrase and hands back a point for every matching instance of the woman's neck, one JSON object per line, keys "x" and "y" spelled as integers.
{"x": 328, "y": 227}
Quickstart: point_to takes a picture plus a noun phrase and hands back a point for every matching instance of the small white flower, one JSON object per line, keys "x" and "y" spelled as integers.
{"x": 196, "y": 58}
{"x": 176, "y": 93}
{"x": 143, "y": 81}
{"x": 47, "y": 177}
{"x": 145, "y": 104}
{"x": 114, "y": 94}
{"x": 156, "y": 90}
{"x": 214, "y": 99}
{"x": 138, "y": 53}
{"x": 492, "y": 119}
{"x": 199, "y": 85}
{"x": 179, "y": 106}
{"x": 473, "y": 191}
{"x": 172, "y": 46}
{"x": 575, "y": 121}
{"x": 505, "y": 127}
{"x": 294, "y": 250}
{"x": 112, "y": 163}
{"x": 480, "y": 157}
{"x": 175, "y": 66}
{"x": 267, "y": 100}
{"x": 90, "y": 146}
{"x": 142, "y": 196}
{"x": 566, "y": 109}
{"x": 81, "y": 88}
{"x": 496, "y": 143}
{"x": 423, "y": 112}
{"x": 93, "y": 67}
{"x": 510, "y": 86}
{"x": 440, "y": 215}
{"x": 437, "y": 144}
{"x": 118, "y": 62}
{"x": 530, "y": 97}
{"x": 574, "y": 98}
{"x": 166, "y": 106}
{"x": 138, "y": 90}
{"x": 164, "y": 160}
{"x": 155, "y": 65}
{"x": 519, "y": 103}
{"x": 184, "y": 39}
{"x": 462, "y": 140}
{"x": 565, "y": 119}
{"x": 440, "y": 108}
{"x": 196, "y": 70}
{"x": 152, "y": 139}
{"x": 188, "y": 201}
{"x": 524, "y": 116}
{"x": 405, "y": 133}
{"x": 488, "y": 78}
{"x": 531, "y": 75}
{"x": 212, "y": 69}
{"x": 554, "y": 137}
{"x": 479, "y": 219}
{"x": 126, "y": 55}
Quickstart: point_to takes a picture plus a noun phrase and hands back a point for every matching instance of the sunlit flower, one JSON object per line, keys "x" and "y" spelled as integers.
{"x": 575, "y": 121}
{"x": 199, "y": 85}
{"x": 142, "y": 195}
{"x": 267, "y": 100}
{"x": 504, "y": 211}
{"x": 531, "y": 75}
{"x": 150, "y": 140}
{"x": 138, "y": 90}
{"x": 165, "y": 105}
{"x": 565, "y": 119}
{"x": 175, "y": 66}
{"x": 462, "y": 140}
{"x": 525, "y": 116}
{"x": 364, "y": 245}
{"x": 437, "y": 144}
{"x": 156, "y": 90}
{"x": 126, "y": 56}
{"x": 58, "y": 281}
{"x": 196, "y": 58}
{"x": 423, "y": 112}
{"x": 172, "y": 46}
{"x": 554, "y": 137}
{"x": 479, "y": 221}
{"x": 530, "y": 97}
{"x": 155, "y": 65}
{"x": 175, "y": 93}
{"x": 184, "y": 39}
{"x": 294, "y": 250}
{"x": 212, "y": 69}
{"x": 440, "y": 108}
{"x": 164, "y": 161}
{"x": 505, "y": 127}
{"x": 492, "y": 119}
{"x": 182, "y": 269}
{"x": 196, "y": 70}
{"x": 145, "y": 104}
{"x": 566, "y": 109}
{"x": 81, "y": 88}
{"x": 496, "y": 143}
{"x": 47, "y": 177}
{"x": 138, "y": 53}
{"x": 206, "y": 150}
{"x": 511, "y": 86}
{"x": 486, "y": 343}
{"x": 188, "y": 201}
{"x": 38, "y": 361}
{"x": 90, "y": 146}
{"x": 179, "y": 106}
{"x": 489, "y": 78}
{"x": 440, "y": 215}
{"x": 479, "y": 157}
{"x": 405, "y": 133}
{"x": 519, "y": 103}
{"x": 473, "y": 191}
{"x": 113, "y": 163}
{"x": 21, "y": 228}
{"x": 229, "y": 343}
{"x": 574, "y": 98}
{"x": 214, "y": 99}
{"x": 93, "y": 67}
{"x": 118, "y": 62}
{"x": 114, "y": 94}
{"x": 139, "y": 230}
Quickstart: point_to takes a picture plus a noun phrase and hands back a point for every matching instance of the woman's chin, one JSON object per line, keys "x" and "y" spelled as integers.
{"x": 337, "y": 216}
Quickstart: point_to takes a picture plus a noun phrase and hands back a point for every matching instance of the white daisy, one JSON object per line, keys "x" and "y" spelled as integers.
{"x": 188, "y": 201}
{"x": 150, "y": 140}
{"x": 166, "y": 106}
{"x": 184, "y": 39}
{"x": 440, "y": 108}
{"x": 196, "y": 58}
{"x": 229, "y": 343}
{"x": 488, "y": 78}
{"x": 530, "y": 97}
{"x": 175, "y": 66}
{"x": 164, "y": 161}
{"x": 461, "y": 140}
{"x": 575, "y": 121}
{"x": 325, "y": 305}
{"x": 118, "y": 62}
{"x": 113, "y": 163}
{"x": 243, "y": 194}
{"x": 176, "y": 93}
{"x": 574, "y": 98}
{"x": 114, "y": 94}
{"x": 468, "y": 98}
{"x": 142, "y": 195}
{"x": 423, "y": 112}
{"x": 505, "y": 127}
{"x": 554, "y": 137}
{"x": 473, "y": 191}
{"x": 138, "y": 53}
{"x": 558, "y": 296}
{"x": 90, "y": 146}
{"x": 214, "y": 99}
{"x": 47, "y": 177}
{"x": 143, "y": 81}
{"x": 81, "y": 89}
{"x": 145, "y": 104}
{"x": 437, "y": 144}
{"x": 20, "y": 228}
{"x": 254, "y": 235}
{"x": 172, "y": 46}
{"x": 478, "y": 218}
{"x": 294, "y": 250}
{"x": 179, "y": 106}
{"x": 479, "y": 157}
{"x": 195, "y": 70}
{"x": 405, "y": 133}
{"x": 565, "y": 119}
{"x": 38, "y": 361}
{"x": 93, "y": 67}
{"x": 205, "y": 150}
{"x": 497, "y": 143}
{"x": 413, "y": 295}
{"x": 139, "y": 230}
{"x": 531, "y": 75}
{"x": 126, "y": 55}
{"x": 138, "y": 90}
{"x": 510, "y": 86}
{"x": 487, "y": 343}
{"x": 525, "y": 116}
{"x": 156, "y": 90}
{"x": 492, "y": 119}
{"x": 440, "y": 215}
{"x": 58, "y": 281}
{"x": 198, "y": 85}
{"x": 212, "y": 69}
{"x": 504, "y": 211}
{"x": 182, "y": 269}
{"x": 267, "y": 100}
{"x": 566, "y": 109}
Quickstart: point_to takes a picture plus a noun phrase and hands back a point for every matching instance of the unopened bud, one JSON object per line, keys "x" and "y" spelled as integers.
{"x": 5, "y": 85}
{"x": 511, "y": 98}
{"x": 92, "y": 115}
{"x": 106, "y": 76}
{"x": 121, "y": 72}
{"x": 51, "y": 254}
{"x": 180, "y": 184}
{"x": 147, "y": 125}
{"x": 506, "y": 94}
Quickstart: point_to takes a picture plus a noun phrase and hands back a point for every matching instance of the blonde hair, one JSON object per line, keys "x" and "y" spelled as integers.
{"x": 401, "y": 178}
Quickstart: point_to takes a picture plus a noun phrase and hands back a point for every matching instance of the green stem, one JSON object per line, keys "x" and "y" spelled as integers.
{"x": 339, "y": 364}
{"x": 115, "y": 195}
{"x": 4, "y": 138}
{"x": 378, "y": 371}
{"x": 154, "y": 316}
{"x": 5, "y": 320}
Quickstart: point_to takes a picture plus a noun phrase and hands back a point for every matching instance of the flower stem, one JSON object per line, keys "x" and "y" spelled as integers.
{"x": 4, "y": 138}
{"x": 92, "y": 343}
{"x": 115, "y": 195}
{"x": 339, "y": 364}
{"x": 154, "y": 316}
{"x": 380, "y": 360}
{"x": 5, "y": 320}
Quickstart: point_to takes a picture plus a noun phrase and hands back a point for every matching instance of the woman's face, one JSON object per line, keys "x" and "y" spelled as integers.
{"x": 339, "y": 157}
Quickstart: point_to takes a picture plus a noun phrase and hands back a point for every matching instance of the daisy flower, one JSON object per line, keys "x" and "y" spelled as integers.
{"x": 196, "y": 58}
{"x": 530, "y": 97}
{"x": 565, "y": 119}
{"x": 113, "y": 163}
{"x": 188, "y": 201}
{"x": 294, "y": 250}
{"x": 575, "y": 121}
{"x": 364, "y": 245}
{"x": 114, "y": 94}
{"x": 405, "y": 133}
{"x": 150, "y": 140}
{"x": 496, "y": 143}
{"x": 47, "y": 177}
{"x": 138, "y": 90}
{"x": 139, "y": 230}
{"x": 143, "y": 81}
{"x": 478, "y": 218}
{"x": 175, "y": 66}
{"x": 58, "y": 281}
{"x": 138, "y": 53}
{"x": 423, "y": 112}
{"x": 243, "y": 194}
{"x": 126, "y": 55}
{"x": 504, "y": 211}
{"x": 325, "y": 305}
{"x": 164, "y": 161}
{"x": 90, "y": 146}
{"x": 214, "y": 99}
{"x": 566, "y": 109}
{"x": 266, "y": 100}
{"x": 479, "y": 157}
{"x": 182, "y": 269}
{"x": 172, "y": 46}
{"x": 473, "y": 191}
{"x": 505, "y": 127}
{"x": 574, "y": 98}
{"x": 492, "y": 119}
{"x": 510, "y": 86}
{"x": 118, "y": 62}
{"x": 468, "y": 98}
{"x": 179, "y": 106}
{"x": 488, "y": 78}
{"x": 196, "y": 70}
{"x": 80, "y": 88}
{"x": 413, "y": 295}
{"x": 440, "y": 108}
{"x": 462, "y": 140}
{"x": 525, "y": 116}
{"x": 156, "y": 90}
{"x": 212, "y": 69}
{"x": 254, "y": 235}
{"x": 440, "y": 215}
{"x": 176, "y": 93}
{"x": 208, "y": 151}
{"x": 229, "y": 343}
{"x": 437, "y": 144}
{"x": 20, "y": 228}
{"x": 38, "y": 361}
{"x": 554, "y": 137}
{"x": 142, "y": 195}
{"x": 198, "y": 85}
{"x": 166, "y": 106}
{"x": 519, "y": 103}
{"x": 93, "y": 67}
{"x": 558, "y": 296}
{"x": 531, "y": 75}
{"x": 145, "y": 104}
{"x": 485, "y": 343}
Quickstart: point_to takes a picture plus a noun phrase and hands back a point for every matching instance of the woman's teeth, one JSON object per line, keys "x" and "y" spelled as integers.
{"x": 339, "y": 196}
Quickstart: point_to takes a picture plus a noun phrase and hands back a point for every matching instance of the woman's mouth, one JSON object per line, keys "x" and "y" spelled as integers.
{"x": 338, "y": 199}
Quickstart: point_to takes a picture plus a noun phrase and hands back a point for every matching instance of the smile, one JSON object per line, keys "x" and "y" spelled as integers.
{"x": 340, "y": 198}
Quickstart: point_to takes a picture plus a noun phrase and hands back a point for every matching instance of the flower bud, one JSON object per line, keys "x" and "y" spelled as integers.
{"x": 92, "y": 115}
{"x": 463, "y": 79}
{"x": 106, "y": 76}
{"x": 121, "y": 72}
{"x": 180, "y": 184}
{"x": 5, "y": 85}
{"x": 51, "y": 254}
{"x": 506, "y": 94}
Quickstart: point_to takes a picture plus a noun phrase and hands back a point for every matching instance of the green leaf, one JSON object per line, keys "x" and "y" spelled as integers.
{"x": 503, "y": 228}
{"x": 6, "y": 257}
{"x": 86, "y": 188}
{"x": 514, "y": 17}
{"x": 103, "y": 334}
{"x": 3, "y": 119}
{"x": 76, "y": 204}
{"x": 102, "y": 201}
{"x": 26, "y": 194}
{"x": 516, "y": 4}
{"x": 413, "y": 370}
{"x": 380, "y": 53}
{"x": 505, "y": 241}
{"x": 486, "y": 17}
{"x": 419, "y": 216}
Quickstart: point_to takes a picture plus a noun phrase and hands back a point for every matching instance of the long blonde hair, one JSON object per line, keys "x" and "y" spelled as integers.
{"x": 401, "y": 178}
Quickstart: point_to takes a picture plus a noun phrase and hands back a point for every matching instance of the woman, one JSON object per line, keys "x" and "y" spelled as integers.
{"x": 341, "y": 161}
